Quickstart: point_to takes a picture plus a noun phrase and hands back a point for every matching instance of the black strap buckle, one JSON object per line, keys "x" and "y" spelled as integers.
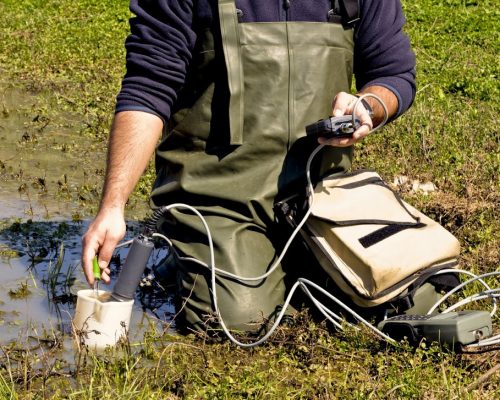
{"x": 345, "y": 12}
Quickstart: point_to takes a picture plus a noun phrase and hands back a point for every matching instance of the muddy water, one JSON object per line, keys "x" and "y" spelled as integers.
{"x": 44, "y": 160}
{"x": 49, "y": 173}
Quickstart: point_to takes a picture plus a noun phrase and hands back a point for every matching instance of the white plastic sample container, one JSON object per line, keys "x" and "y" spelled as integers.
{"x": 100, "y": 323}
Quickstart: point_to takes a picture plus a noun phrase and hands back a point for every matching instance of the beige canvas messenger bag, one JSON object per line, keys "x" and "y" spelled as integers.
{"x": 372, "y": 243}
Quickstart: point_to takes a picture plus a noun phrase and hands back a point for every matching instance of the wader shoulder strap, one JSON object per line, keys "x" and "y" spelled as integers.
{"x": 232, "y": 55}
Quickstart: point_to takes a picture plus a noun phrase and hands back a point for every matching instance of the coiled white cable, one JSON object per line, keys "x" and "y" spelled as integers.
{"x": 457, "y": 288}
{"x": 487, "y": 294}
{"x": 304, "y": 284}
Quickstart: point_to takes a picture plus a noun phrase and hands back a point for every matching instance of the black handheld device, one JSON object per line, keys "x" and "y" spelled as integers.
{"x": 333, "y": 127}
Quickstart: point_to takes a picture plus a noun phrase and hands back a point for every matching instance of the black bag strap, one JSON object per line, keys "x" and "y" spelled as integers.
{"x": 345, "y": 12}
{"x": 386, "y": 232}
{"x": 375, "y": 180}
{"x": 442, "y": 283}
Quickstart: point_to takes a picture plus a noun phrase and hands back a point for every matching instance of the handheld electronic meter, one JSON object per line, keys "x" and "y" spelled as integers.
{"x": 334, "y": 127}
{"x": 463, "y": 327}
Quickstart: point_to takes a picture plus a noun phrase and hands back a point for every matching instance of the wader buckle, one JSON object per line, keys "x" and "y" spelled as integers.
{"x": 345, "y": 12}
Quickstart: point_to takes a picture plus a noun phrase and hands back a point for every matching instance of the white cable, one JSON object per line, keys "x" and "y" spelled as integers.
{"x": 457, "y": 288}
{"x": 462, "y": 271}
{"x": 329, "y": 314}
{"x": 271, "y": 269}
{"x": 164, "y": 238}
{"x": 487, "y": 294}
{"x": 271, "y": 330}
{"x": 486, "y": 342}
{"x": 301, "y": 282}
{"x": 213, "y": 270}
{"x": 491, "y": 340}
{"x": 123, "y": 244}
{"x": 382, "y": 104}
{"x": 345, "y": 307}
{"x": 214, "y": 283}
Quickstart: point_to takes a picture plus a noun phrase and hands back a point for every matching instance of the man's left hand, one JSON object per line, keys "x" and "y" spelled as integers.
{"x": 343, "y": 104}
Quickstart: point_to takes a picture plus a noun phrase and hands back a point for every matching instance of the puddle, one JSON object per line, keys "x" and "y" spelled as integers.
{"x": 41, "y": 274}
{"x": 49, "y": 171}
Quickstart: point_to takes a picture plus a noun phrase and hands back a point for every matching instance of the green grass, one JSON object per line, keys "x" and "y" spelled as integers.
{"x": 450, "y": 136}
{"x": 72, "y": 55}
{"x": 303, "y": 362}
{"x": 72, "y": 49}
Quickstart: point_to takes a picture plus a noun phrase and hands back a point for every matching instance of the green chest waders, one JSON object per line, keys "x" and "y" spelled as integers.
{"x": 281, "y": 77}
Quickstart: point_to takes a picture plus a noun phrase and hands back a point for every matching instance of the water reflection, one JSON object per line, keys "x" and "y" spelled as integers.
{"x": 44, "y": 258}
{"x": 51, "y": 170}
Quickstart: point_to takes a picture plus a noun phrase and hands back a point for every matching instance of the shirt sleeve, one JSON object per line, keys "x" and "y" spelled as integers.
{"x": 382, "y": 52}
{"x": 159, "y": 50}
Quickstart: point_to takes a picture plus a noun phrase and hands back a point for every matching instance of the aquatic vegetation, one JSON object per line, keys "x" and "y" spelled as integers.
{"x": 59, "y": 281}
{"x": 8, "y": 253}
{"x": 21, "y": 292}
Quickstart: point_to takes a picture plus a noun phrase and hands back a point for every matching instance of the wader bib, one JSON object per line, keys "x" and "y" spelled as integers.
{"x": 236, "y": 142}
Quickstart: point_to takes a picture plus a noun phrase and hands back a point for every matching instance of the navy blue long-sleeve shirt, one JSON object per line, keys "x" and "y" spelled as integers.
{"x": 163, "y": 35}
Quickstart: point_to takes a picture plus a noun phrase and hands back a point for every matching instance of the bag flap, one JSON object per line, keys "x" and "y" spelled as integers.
{"x": 358, "y": 198}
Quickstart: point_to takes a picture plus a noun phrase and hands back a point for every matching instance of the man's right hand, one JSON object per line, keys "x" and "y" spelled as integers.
{"x": 101, "y": 238}
{"x": 132, "y": 141}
